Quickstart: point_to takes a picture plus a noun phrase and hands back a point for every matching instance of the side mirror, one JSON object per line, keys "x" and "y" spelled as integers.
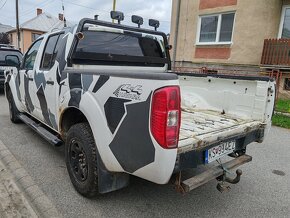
{"x": 154, "y": 23}
{"x": 12, "y": 60}
{"x": 137, "y": 20}
{"x": 169, "y": 47}
{"x": 117, "y": 15}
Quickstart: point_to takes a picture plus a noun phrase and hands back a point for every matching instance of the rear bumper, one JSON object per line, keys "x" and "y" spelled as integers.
{"x": 194, "y": 158}
{"x": 213, "y": 173}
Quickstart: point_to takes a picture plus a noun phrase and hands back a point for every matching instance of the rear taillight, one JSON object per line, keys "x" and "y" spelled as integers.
{"x": 165, "y": 116}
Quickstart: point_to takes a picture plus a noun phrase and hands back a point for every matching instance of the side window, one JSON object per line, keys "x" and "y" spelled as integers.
{"x": 50, "y": 52}
{"x": 57, "y": 47}
{"x": 30, "y": 56}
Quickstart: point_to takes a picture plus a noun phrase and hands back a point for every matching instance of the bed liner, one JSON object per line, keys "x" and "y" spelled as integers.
{"x": 200, "y": 128}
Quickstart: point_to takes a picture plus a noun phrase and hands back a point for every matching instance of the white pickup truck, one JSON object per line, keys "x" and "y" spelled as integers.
{"x": 106, "y": 91}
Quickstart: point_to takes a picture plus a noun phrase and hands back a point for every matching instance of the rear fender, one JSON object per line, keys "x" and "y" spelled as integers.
{"x": 118, "y": 111}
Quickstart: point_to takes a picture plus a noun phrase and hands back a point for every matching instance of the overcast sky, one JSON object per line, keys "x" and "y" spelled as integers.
{"x": 77, "y": 9}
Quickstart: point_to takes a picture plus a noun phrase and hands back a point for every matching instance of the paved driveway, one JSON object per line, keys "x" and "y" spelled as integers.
{"x": 261, "y": 193}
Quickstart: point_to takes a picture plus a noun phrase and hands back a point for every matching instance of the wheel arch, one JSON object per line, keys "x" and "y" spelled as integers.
{"x": 69, "y": 117}
{"x": 10, "y": 86}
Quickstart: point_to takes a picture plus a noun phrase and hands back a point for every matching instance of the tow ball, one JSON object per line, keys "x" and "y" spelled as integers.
{"x": 222, "y": 186}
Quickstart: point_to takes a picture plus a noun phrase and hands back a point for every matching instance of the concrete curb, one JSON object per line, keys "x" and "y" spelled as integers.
{"x": 282, "y": 113}
{"x": 36, "y": 198}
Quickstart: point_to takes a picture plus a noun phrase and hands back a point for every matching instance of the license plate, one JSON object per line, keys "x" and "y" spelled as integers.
{"x": 219, "y": 151}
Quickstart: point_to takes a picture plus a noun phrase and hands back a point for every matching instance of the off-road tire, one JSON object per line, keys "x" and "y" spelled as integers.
{"x": 13, "y": 111}
{"x": 81, "y": 136}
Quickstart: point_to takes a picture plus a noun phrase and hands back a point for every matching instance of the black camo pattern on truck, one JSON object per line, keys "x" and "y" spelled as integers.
{"x": 132, "y": 145}
{"x": 28, "y": 101}
{"x": 132, "y": 139}
{"x": 115, "y": 111}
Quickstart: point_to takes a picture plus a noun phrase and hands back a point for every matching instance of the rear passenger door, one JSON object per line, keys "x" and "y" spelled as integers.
{"x": 46, "y": 82}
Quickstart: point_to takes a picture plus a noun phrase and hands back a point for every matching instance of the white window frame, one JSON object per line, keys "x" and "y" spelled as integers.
{"x": 218, "y": 29}
{"x": 282, "y": 20}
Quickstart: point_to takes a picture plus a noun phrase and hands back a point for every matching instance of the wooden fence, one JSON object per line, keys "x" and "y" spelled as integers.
{"x": 276, "y": 52}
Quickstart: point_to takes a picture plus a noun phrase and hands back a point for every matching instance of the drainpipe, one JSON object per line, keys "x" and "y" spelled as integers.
{"x": 176, "y": 32}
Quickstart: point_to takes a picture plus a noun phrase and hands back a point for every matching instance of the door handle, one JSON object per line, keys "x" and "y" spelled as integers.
{"x": 50, "y": 82}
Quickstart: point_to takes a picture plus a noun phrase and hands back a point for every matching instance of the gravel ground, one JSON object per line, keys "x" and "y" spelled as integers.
{"x": 264, "y": 190}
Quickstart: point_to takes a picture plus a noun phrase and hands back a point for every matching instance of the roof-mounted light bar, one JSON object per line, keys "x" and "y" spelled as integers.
{"x": 137, "y": 20}
{"x": 117, "y": 15}
{"x": 154, "y": 23}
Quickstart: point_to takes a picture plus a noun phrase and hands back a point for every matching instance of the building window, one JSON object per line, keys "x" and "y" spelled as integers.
{"x": 35, "y": 36}
{"x": 216, "y": 29}
{"x": 284, "y": 31}
{"x": 287, "y": 84}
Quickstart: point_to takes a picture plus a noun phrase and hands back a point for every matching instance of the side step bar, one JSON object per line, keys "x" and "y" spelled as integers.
{"x": 201, "y": 179}
{"x": 48, "y": 136}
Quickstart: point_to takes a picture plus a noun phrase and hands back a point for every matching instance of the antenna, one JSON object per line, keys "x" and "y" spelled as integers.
{"x": 64, "y": 20}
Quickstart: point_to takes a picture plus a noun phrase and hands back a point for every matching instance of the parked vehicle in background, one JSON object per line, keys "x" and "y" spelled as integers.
{"x": 9, "y": 58}
{"x": 106, "y": 91}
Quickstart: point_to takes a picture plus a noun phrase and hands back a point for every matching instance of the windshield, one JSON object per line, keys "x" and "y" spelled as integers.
{"x": 101, "y": 45}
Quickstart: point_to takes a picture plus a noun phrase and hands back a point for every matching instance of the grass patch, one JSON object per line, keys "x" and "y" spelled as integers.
{"x": 281, "y": 120}
{"x": 283, "y": 106}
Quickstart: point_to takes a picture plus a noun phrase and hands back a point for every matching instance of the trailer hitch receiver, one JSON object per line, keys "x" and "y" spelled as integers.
{"x": 222, "y": 186}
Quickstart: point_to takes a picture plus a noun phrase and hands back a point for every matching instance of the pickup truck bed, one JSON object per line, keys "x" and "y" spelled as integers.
{"x": 199, "y": 127}
{"x": 216, "y": 108}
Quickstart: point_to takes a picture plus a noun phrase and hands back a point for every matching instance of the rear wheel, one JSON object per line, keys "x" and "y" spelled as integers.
{"x": 13, "y": 111}
{"x": 81, "y": 159}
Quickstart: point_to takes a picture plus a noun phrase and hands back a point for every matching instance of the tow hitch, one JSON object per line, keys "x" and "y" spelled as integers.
{"x": 217, "y": 172}
{"x": 222, "y": 186}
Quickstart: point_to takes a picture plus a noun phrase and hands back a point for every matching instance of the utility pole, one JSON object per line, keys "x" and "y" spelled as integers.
{"x": 17, "y": 25}
{"x": 114, "y": 8}
{"x": 176, "y": 32}
{"x": 64, "y": 20}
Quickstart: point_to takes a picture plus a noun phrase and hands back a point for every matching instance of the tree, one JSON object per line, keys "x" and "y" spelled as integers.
{"x": 4, "y": 38}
